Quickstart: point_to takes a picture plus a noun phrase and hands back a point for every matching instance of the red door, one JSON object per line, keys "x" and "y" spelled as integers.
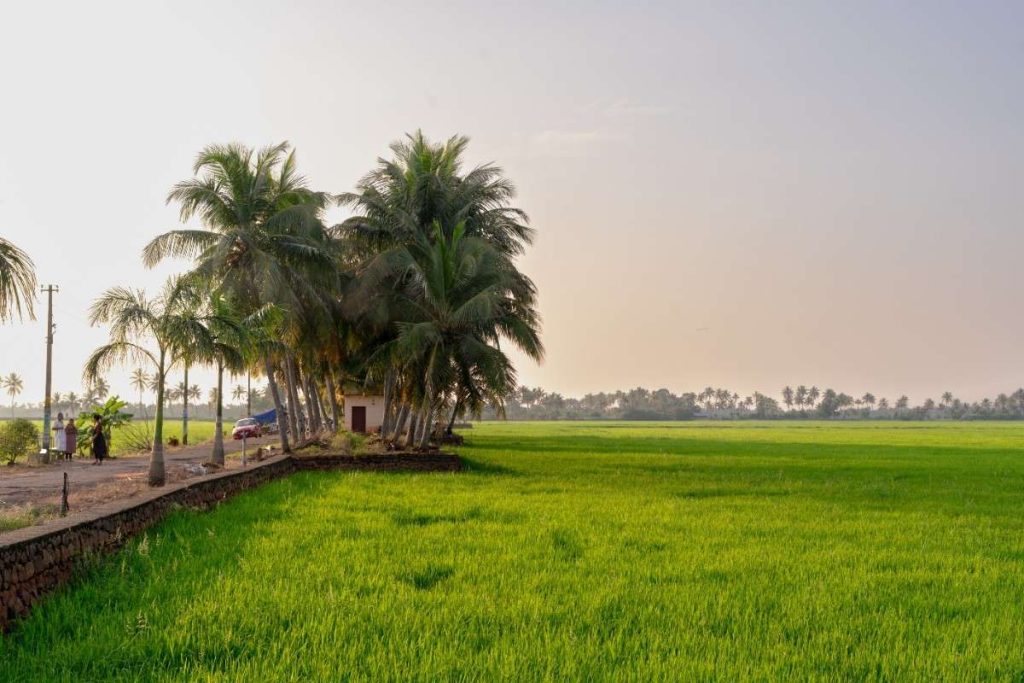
{"x": 359, "y": 419}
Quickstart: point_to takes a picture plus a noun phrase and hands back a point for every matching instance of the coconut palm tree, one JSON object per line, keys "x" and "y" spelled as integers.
{"x": 173, "y": 395}
{"x": 460, "y": 297}
{"x": 238, "y": 394}
{"x": 149, "y": 330}
{"x": 423, "y": 191}
{"x": 813, "y": 394}
{"x": 230, "y": 346}
{"x": 13, "y": 385}
{"x": 89, "y": 397}
{"x": 423, "y": 184}
{"x": 227, "y": 343}
{"x": 73, "y": 402}
{"x": 140, "y": 380}
{"x": 17, "y": 283}
{"x": 800, "y": 396}
{"x": 947, "y": 399}
{"x": 101, "y": 387}
{"x": 186, "y": 393}
{"x": 263, "y": 241}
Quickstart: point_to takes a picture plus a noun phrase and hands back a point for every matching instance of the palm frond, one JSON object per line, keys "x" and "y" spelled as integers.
{"x": 17, "y": 283}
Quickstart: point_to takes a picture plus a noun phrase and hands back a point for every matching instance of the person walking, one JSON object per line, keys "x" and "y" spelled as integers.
{"x": 60, "y": 443}
{"x": 99, "y": 441}
{"x": 70, "y": 438}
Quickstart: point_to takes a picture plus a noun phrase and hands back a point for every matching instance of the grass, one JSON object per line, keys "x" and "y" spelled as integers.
{"x": 24, "y": 516}
{"x": 199, "y": 431}
{"x": 688, "y": 551}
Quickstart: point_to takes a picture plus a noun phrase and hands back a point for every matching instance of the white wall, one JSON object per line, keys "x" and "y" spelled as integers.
{"x": 374, "y": 410}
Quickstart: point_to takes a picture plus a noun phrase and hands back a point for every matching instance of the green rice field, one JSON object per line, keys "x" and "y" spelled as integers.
{"x": 199, "y": 431}
{"x": 585, "y": 552}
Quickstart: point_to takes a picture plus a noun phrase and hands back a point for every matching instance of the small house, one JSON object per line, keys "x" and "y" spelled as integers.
{"x": 364, "y": 413}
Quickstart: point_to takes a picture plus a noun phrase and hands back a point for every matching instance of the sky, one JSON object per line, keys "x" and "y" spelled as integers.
{"x": 745, "y": 195}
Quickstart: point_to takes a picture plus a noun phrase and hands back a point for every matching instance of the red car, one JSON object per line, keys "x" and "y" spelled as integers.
{"x": 247, "y": 428}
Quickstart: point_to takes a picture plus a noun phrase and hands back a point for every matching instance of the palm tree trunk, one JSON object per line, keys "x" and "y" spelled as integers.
{"x": 313, "y": 403}
{"x": 455, "y": 411}
{"x": 278, "y": 406}
{"x": 332, "y": 399}
{"x": 184, "y": 411}
{"x": 305, "y": 423}
{"x": 410, "y": 438}
{"x": 293, "y": 394}
{"x": 305, "y": 414}
{"x": 218, "y": 436}
{"x": 318, "y": 392}
{"x": 321, "y": 414}
{"x": 403, "y": 416}
{"x": 157, "y": 473}
{"x": 428, "y": 426}
{"x": 390, "y": 405}
{"x": 293, "y": 399}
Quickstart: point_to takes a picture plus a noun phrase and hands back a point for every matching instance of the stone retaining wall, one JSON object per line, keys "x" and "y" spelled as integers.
{"x": 35, "y": 560}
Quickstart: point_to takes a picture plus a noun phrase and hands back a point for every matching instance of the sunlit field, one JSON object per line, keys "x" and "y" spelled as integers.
{"x": 683, "y": 551}
{"x": 198, "y": 432}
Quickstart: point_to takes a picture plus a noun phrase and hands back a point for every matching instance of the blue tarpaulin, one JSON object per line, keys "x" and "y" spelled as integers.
{"x": 266, "y": 418}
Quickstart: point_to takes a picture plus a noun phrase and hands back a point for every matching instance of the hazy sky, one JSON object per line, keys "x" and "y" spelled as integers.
{"x": 736, "y": 194}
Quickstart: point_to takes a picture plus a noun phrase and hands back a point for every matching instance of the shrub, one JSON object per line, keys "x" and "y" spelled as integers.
{"x": 136, "y": 438}
{"x": 173, "y": 441}
{"x": 17, "y": 437}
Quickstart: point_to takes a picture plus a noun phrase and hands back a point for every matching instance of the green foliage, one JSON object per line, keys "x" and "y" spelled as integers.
{"x": 17, "y": 438}
{"x": 112, "y": 413}
{"x": 17, "y": 282}
{"x": 593, "y": 551}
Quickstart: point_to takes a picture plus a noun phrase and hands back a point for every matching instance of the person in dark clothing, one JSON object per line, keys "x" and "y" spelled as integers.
{"x": 99, "y": 441}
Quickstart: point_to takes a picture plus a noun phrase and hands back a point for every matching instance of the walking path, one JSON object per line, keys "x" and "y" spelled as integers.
{"x": 36, "y": 483}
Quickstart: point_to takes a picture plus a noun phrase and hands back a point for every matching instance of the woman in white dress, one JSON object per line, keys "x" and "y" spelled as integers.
{"x": 61, "y": 440}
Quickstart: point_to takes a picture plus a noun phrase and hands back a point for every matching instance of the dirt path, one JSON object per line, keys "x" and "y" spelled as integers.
{"x": 34, "y": 484}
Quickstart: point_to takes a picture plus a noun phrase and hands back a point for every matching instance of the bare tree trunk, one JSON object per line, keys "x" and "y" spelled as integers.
{"x": 332, "y": 398}
{"x": 218, "y": 436}
{"x": 278, "y": 406}
{"x": 403, "y": 417}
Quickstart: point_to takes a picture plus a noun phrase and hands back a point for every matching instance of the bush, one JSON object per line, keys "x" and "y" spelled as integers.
{"x": 17, "y": 437}
{"x": 136, "y": 438}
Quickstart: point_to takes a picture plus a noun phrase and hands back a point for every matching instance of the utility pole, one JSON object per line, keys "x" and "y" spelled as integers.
{"x": 248, "y": 397}
{"x": 48, "y": 290}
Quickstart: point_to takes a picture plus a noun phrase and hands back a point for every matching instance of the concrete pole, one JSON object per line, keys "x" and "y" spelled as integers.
{"x": 49, "y": 290}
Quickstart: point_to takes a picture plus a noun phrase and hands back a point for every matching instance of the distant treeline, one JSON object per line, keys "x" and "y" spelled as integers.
{"x": 799, "y": 402}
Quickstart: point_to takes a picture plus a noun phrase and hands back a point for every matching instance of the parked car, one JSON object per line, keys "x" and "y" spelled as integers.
{"x": 247, "y": 428}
